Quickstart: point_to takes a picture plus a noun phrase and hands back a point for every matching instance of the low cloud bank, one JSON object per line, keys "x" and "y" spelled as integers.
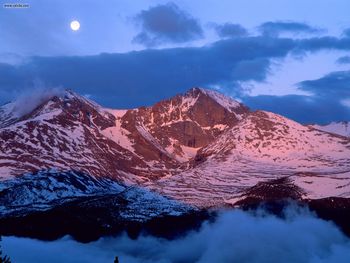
{"x": 236, "y": 236}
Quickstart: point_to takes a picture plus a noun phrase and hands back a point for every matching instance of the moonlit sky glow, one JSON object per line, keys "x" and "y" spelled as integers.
{"x": 290, "y": 57}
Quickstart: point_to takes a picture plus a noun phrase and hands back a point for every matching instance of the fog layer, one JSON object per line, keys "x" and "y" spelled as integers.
{"x": 235, "y": 236}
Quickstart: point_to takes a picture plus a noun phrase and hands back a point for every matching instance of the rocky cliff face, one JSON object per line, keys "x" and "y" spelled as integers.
{"x": 178, "y": 127}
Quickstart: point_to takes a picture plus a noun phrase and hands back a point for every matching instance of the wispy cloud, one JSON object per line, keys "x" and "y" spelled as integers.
{"x": 29, "y": 100}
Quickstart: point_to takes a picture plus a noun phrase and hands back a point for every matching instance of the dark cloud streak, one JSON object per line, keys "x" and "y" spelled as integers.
{"x": 321, "y": 43}
{"x": 343, "y": 60}
{"x": 275, "y": 28}
{"x": 230, "y": 30}
{"x": 335, "y": 85}
{"x": 304, "y": 109}
{"x": 346, "y": 32}
{"x": 323, "y": 106}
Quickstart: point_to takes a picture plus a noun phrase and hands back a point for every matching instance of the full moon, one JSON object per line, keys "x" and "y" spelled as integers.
{"x": 75, "y": 25}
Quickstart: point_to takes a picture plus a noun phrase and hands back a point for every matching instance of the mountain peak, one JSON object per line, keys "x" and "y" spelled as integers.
{"x": 204, "y": 107}
{"x": 28, "y": 103}
{"x": 52, "y": 104}
{"x": 225, "y": 101}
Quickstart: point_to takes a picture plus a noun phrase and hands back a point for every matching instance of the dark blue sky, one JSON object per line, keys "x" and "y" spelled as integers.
{"x": 290, "y": 57}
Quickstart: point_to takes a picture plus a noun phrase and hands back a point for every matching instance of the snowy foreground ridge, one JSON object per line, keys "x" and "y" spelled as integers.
{"x": 200, "y": 148}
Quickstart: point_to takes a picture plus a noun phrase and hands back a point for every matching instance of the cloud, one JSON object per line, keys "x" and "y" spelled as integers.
{"x": 166, "y": 24}
{"x": 335, "y": 85}
{"x": 275, "y": 28}
{"x": 321, "y": 43}
{"x": 28, "y": 101}
{"x": 230, "y": 30}
{"x": 117, "y": 80}
{"x": 343, "y": 60}
{"x": 326, "y": 104}
{"x": 346, "y": 32}
{"x": 303, "y": 109}
{"x": 235, "y": 236}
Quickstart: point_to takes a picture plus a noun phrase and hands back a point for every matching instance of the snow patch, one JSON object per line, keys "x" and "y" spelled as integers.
{"x": 223, "y": 100}
{"x": 340, "y": 128}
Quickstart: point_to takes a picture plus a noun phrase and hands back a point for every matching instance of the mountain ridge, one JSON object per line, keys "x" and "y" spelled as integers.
{"x": 200, "y": 147}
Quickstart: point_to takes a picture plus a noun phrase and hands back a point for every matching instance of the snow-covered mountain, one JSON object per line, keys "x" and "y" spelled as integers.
{"x": 262, "y": 147}
{"x": 340, "y": 128}
{"x": 72, "y": 133}
{"x": 200, "y": 148}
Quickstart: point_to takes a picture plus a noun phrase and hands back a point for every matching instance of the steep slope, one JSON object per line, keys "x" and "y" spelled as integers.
{"x": 340, "y": 128}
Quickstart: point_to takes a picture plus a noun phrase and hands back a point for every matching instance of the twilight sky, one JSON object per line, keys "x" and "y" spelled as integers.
{"x": 289, "y": 57}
